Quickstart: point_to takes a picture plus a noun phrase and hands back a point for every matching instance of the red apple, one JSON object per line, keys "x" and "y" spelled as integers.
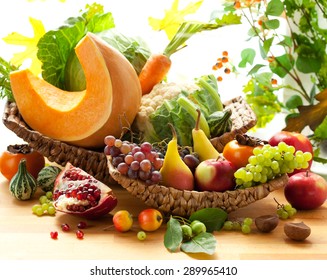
{"x": 297, "y": 140}
{"x": 215, "y": 175}
{"x": 306, "y": 190}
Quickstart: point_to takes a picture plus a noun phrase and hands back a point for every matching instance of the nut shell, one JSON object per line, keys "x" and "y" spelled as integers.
{"x": 297, "y": 231}
{"x": 266, "y": 223}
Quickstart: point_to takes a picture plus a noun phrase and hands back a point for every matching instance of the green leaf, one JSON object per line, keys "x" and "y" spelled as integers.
{"x": 247, "y": 56}
{"x": 321, "y": 131}
{"x": 54, "y": 50}
{"x": 5, "y": 89}
{"x": 99, "y": 23}
{"x": 264, "y": 79}
{"x": 275, "y": 8}
{"x": 265, "y": 47}
{"x": 174, "y": 235}
{"x": 213, "y": 218}
{"x": 308, "y": 63}
{"x": 203, "y": 243}
{"x": 228, "y": 19}
{"x": 287, "y": 42}
{"x": 254, "y": 32}
{"x": 256, "y": 68}
{"x": 293, "y": 102}
{"x": 282, "y": 65}
{"x": 271, "y": 24}
{"x": 260, "y": 96}
{"x": 56, "y": 46}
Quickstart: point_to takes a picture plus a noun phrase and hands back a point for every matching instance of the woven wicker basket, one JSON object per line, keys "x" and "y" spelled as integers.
{"x": 95, "y": 162}
{"x": 184, "y": 203}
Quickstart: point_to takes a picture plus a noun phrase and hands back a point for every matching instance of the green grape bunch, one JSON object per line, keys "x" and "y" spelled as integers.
{"x": 269, "y": 162}
{"x": 285, "y": 211}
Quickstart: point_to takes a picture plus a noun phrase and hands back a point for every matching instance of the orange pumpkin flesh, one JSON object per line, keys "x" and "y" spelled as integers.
{"x": 83, "y": 118}
{"x": 126, "y": 99}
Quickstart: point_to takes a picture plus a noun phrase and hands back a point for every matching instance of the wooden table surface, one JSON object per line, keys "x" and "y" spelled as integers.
{"x": 26, "y": 236}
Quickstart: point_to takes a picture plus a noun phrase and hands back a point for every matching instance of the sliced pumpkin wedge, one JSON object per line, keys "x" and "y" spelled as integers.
{"x": 82, "y": 118}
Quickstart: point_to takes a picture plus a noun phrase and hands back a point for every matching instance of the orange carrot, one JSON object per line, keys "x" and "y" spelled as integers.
{"x": 154, "y": 71}
{"x": 157, "y": 66}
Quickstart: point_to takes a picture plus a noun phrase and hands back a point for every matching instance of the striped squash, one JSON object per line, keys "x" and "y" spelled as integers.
{"x": 23, "y": 185}
{"x": 47, "y": 176}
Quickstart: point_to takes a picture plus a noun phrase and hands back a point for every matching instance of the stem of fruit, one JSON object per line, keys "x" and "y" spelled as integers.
{"x": 278, "y": 204}
{"x": 182, "y": 220}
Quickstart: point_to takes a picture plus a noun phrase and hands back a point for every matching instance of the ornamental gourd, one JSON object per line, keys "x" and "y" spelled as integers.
{"x": 47, "y": 177}
{"x": 23, "y": 185}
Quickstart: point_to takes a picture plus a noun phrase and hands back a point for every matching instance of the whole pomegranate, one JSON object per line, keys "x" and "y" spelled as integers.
{"x": 77, "y": 192}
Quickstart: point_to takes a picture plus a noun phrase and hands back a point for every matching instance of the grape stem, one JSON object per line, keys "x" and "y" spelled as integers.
{"x": 278, "y": 204}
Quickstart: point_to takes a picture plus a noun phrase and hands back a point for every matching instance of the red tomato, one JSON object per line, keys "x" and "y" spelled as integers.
{"x": 10, "y": 159}
{"x": 237, "y": 154}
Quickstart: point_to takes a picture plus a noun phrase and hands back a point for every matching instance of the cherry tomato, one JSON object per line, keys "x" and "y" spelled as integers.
{"x": 150, "y": 219}
{"x": 237, "y": 153}
{"x": 10, "y": 159}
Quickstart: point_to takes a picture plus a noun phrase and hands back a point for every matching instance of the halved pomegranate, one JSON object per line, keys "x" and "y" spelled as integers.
{"x": 77, "y": 192}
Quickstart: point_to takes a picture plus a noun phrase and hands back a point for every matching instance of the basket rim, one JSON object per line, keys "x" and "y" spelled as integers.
{"x": 139, "y": 189}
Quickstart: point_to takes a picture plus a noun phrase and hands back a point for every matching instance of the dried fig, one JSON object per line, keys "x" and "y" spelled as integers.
{"x": 266, "y": 223}
{"x": 297, "y": 231}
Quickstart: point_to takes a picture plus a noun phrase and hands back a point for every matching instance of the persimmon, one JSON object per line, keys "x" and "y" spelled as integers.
{"x": 10, "y": 158}
{"x": 237, "y": 153}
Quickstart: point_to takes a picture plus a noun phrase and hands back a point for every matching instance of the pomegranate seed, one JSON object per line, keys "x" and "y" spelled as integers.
{"x": 65, "y": 227}
{"x": 54, "y": 234}
{"x": 79, "y": 196}
{"x": 82, "y": 225}
{"x": 74, "y": 193}
{"x": 79, "y": 234}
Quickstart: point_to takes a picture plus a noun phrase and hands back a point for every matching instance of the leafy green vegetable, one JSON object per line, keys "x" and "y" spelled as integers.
{"x": 180, "y": 111}
{"x": 5, "y": 88}
{"x": 190, "y": 109}
{"x": 134, "y": 49}
{"x": 56, "y": 46}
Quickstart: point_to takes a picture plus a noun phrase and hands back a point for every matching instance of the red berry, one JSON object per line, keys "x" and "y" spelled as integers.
{"x": 79, "y": 234}
{"x": 65, "y": 227}
{"x": 54, "y": 234}
{"x": 82, "y": 225}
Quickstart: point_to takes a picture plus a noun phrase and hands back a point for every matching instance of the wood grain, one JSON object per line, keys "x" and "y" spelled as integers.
{"x": 26, "y": 236}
